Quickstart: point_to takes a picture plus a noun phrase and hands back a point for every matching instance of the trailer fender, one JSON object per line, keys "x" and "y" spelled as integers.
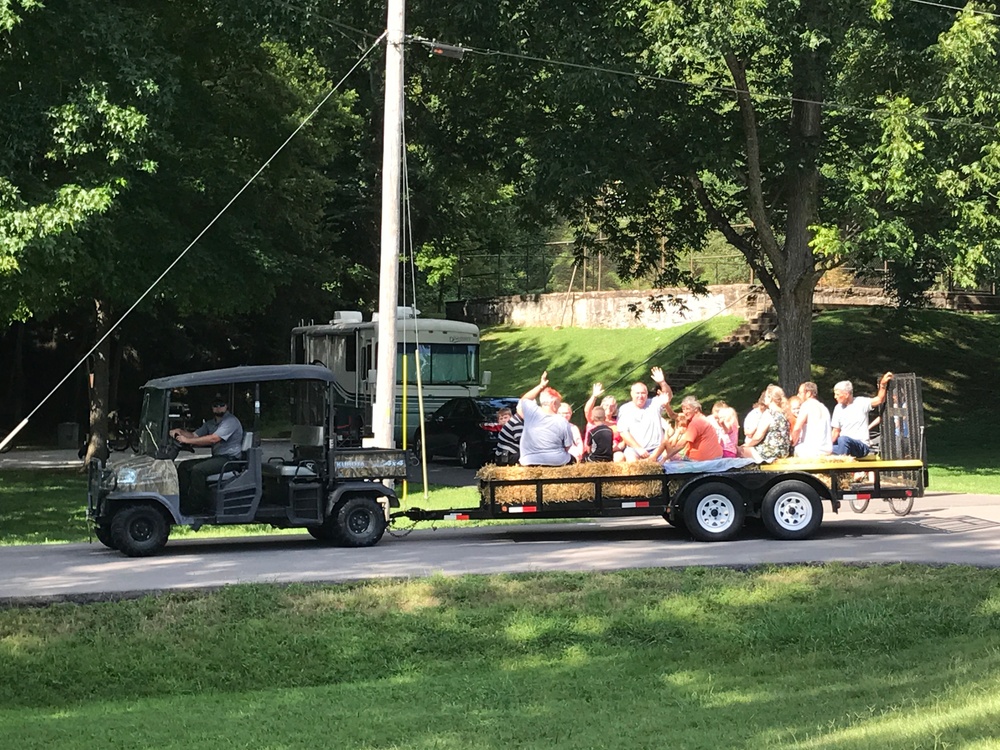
{"x": 737, "y": 481}
{"x": 386, "y": 497}
{"x": 117, "y": 499}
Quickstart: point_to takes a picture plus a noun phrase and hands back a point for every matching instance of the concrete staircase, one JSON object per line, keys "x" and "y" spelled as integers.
{"x": 695, "y": 368}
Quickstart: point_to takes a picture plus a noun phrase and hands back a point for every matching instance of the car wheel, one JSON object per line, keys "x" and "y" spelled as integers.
{"x": 322, "y": 533}
{"x": 139, "y": 530}
{"x": 792, "y": 510}
{"x": 359, "y": 522}
{"x": 465, "y": 457}
{"x": 714, "y": 512}
{"x": 418, "y": 446}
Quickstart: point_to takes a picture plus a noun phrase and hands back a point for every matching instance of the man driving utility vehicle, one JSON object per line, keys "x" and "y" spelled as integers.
{"x": 224, "y": 434}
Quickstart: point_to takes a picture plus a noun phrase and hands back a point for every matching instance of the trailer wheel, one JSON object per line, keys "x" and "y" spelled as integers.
{"x": 103, "y": 533}
{"x": 792, "y": 510}
{"x": 359, "y": 522}
{"x": 714, "y": 512}
{"x": 859, "y": 506}
{"x": 901, "y": 506}
{"x": 139, "y": 530}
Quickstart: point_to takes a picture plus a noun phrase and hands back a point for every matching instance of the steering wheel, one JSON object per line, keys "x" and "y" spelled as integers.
{"x": 175, "y": 443}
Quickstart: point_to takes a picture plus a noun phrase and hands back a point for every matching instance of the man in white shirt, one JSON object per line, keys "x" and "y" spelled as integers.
{"x": 811, "y": 432}
{"x": 639, "y": 422}
{"x": 850, "y": 417}
{"x": 546, "y": 438}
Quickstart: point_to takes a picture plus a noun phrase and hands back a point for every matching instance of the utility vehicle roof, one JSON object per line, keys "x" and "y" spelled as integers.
{"x": 248, "y": 374}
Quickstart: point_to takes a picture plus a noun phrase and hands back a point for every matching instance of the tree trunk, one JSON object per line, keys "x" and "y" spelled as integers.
{"x": 99, "y": 385}
{"x": 794, "y": 307}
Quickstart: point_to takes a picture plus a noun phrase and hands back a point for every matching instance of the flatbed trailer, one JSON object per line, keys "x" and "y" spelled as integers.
{"x": 711, "y": 499}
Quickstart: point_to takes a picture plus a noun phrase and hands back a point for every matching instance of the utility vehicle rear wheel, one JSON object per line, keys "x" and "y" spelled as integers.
{"x": 139, "y": 530}
{"x": 359, "y": 522}
{"x": 714, "y": 512}
{"x": 792, "y": 510}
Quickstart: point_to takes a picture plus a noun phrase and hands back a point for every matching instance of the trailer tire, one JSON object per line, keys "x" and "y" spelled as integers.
{"x": 901, "y": 506}
{"x": 139, "y": 530}
{"x": 792, "y": 510}
{"x": 714, "y": 512}
{"x": 359, "y": 522}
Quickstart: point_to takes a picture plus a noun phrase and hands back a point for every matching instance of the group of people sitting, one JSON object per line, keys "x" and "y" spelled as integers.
{"x": 540, "y": 432}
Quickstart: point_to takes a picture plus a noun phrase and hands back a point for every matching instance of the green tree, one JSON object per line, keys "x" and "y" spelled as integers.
{"x": 807, "y": 133}
{"x": 130, "y": 130}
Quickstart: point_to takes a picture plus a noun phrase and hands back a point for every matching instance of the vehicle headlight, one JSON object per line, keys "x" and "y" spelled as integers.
{"x": 108, "y": 480}
{"x": 127, "y": 475}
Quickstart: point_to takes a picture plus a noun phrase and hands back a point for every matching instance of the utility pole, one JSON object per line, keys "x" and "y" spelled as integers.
{"x": 384, "y": 408}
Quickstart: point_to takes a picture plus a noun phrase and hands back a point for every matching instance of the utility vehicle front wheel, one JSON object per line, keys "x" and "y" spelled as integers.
{"x": 139, "y": 530}
{"x": 103, "y": 533}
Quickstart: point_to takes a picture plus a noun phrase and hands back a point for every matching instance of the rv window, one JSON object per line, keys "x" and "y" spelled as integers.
{"x": 351, "y": 355}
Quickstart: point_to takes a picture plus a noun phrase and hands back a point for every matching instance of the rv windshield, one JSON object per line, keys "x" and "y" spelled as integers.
{"x": 440, "y": 364}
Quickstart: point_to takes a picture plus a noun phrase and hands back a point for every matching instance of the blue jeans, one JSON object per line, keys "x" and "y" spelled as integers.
{"x": 846, "y": 446}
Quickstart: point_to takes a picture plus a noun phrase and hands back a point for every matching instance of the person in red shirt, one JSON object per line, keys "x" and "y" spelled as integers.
{"x": 699, "y": 439}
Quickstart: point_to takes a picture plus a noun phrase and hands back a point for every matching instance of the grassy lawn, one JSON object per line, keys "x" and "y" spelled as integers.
{"x": 827, "y": 658}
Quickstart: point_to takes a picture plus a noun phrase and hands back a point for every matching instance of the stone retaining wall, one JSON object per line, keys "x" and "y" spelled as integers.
{"x": 611, "y": 309}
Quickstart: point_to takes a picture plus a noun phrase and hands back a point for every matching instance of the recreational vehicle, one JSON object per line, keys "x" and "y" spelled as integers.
{"x": 348, "y": 346}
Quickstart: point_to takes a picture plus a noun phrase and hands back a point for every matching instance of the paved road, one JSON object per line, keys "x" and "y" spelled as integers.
{"x": 944, "y": 528}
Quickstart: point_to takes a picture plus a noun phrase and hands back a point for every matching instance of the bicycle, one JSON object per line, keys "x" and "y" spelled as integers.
{"x": 900, "y": 506}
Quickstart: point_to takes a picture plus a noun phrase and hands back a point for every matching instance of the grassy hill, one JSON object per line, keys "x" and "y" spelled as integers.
{"x": 956, "y": 354}
{"x": 576, "y": 358}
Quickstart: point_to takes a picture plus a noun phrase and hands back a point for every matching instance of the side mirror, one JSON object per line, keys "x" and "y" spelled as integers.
{"x": 487, "y": 378}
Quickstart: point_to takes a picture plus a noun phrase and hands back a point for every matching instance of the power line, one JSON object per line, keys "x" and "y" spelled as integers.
{"x": 718, "y": 88}
{"x": 337, "y": 24}
{"x": 958, "y": 8}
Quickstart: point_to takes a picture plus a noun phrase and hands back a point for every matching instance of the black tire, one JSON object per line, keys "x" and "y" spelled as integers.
{"x": 676, "y": 520}
{"x": 139, "y": 530}
{"x": 324, "y": 533}
{"x": 103, "y": 533}
{"x": 714, "y": 512}
{"x": 359, "y": 522}
{"x": 901, "y": 506}
{"x": 859, "y": 506}
{"x": 417, "y": 448}
{"x": 466, "y": 457}
{"x": 792, "y": 510}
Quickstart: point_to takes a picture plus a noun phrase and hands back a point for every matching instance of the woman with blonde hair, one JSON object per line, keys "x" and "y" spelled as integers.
{"x": 771, "y": 437}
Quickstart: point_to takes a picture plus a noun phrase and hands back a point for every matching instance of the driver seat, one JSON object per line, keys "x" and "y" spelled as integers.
{"x": 236, "y": 489}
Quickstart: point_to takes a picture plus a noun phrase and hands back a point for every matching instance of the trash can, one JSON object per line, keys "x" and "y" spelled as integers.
{"x": 68, "y": 435}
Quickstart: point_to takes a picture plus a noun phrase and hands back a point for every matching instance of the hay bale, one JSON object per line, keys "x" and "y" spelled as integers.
{"x": 569, "y": 491}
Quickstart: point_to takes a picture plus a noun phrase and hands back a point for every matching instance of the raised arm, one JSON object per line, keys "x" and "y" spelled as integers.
{"x": 532, "y": 394}
{"x": 595, "y": 392}
{"x": 883, "y": 384}
{"x": 664, "y": 390}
